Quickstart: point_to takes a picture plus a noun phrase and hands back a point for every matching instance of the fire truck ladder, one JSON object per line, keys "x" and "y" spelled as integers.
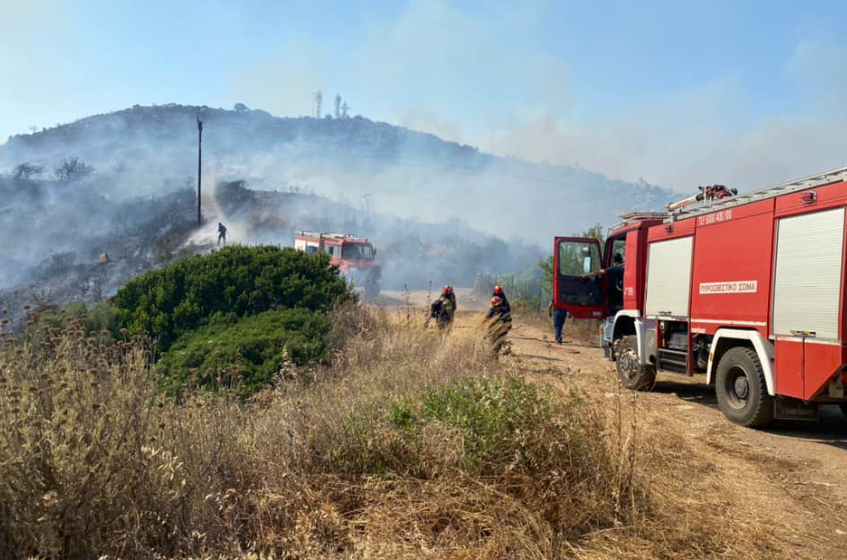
{"x": 816, "y": 180}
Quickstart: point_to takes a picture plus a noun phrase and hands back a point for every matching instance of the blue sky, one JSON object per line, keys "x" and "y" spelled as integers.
{"x": 677, "y": 93}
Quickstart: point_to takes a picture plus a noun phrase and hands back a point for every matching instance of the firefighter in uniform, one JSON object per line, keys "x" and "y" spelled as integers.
{"x": 498, "y": 323}
{"x": 498, "y": 292}
{"x": 444, "y": 308}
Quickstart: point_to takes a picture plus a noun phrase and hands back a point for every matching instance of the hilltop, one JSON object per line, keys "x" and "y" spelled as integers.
{"x": 390, "y": 168}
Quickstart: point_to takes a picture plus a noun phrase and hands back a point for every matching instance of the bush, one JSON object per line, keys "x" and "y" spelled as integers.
{"x": 526, "y": 290}
{"x": 95, "y": 318}
{"x": 248, "y": 354}
{"x": 231, "y": 283}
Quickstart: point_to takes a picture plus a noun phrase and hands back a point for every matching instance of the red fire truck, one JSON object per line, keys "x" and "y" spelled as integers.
{"x": 747, "y": 290}
{"x": 354, "y": 256}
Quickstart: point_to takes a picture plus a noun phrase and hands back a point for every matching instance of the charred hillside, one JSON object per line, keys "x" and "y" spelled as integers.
{"x": 398, "y": 171}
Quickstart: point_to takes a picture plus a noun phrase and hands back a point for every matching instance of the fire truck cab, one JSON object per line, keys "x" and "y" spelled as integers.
{"x": 746, "y": 290}
{"x": 354, "y": 256}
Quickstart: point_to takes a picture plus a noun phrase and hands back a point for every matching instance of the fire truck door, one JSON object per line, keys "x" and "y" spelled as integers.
{"x": 579, "y": 289}
{"x": 806, "y": 300}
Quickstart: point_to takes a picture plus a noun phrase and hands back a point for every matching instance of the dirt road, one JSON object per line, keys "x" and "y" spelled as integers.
{"x": 783, "y": 488}
{"x": 788, "y": 480}
{"x": 786, "y": 484}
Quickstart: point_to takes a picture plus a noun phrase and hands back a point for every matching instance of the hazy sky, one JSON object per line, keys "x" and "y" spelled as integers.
{"x": 678, "y": 93}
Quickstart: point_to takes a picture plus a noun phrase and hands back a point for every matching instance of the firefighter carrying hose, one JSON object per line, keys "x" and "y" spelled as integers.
{"x": 498, "y": 323}
{"x": 444, "y": 308}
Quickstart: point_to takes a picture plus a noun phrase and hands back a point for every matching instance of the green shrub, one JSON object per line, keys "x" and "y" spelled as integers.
{"x": 482, "y": 426}
{"x": 492, "y": 416}
{"x": 527, "y": 289}
{"x": 100, "y": 320}
{"x": 233, "y": 282}
{"x": 247, "y": 354}
{"x": 97, "y": 317}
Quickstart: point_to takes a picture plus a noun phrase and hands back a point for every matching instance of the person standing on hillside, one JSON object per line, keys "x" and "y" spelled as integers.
{"x": 560, "y": 316}
{"x": 221, "y": 234}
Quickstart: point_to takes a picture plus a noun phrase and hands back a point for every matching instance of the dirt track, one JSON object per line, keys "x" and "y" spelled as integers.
{"x": 790, "y": 478}
{"x": 788, "y": 483}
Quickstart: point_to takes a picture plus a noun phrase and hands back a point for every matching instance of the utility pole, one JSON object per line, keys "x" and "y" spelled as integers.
{"x": 199, "y": 167}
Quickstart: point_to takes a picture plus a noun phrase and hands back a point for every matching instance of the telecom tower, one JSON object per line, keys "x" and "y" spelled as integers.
{"x": 317, "y": 101}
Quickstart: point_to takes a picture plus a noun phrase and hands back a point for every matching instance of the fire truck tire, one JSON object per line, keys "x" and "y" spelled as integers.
{"x": 740, "y": 384}
{"x": 632, "y": 373}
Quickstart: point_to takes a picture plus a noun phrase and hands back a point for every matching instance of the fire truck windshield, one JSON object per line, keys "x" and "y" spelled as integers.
{"x": 357, "y": 252}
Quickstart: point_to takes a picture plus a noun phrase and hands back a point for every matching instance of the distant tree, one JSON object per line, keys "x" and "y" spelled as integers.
{"x": 596, "y": 231}
{"x": 240, "y": 108}
{"x": 72, "y": 168}
{"x": 546, "y": 265}
{"x": 337, "y": 105}
{"x": 33, "y": 129}
{"x": 26, "y": 171}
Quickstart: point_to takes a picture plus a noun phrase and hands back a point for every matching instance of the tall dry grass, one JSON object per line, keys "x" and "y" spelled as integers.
{"x": 413, "y": 444}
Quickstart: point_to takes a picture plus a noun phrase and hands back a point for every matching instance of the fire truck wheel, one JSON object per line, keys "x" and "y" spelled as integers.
{"x": 632, "y": 373}
{"x": 740, "y": 385}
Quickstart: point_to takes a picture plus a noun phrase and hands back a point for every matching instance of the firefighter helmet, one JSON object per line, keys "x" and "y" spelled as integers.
{"x": 495, "y": 301}
{"x": 448, "y": 289}
{"x": 498, "y": 290}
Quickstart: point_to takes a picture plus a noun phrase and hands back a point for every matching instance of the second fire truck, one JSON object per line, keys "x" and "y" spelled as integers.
{"x": 354, "y": 256}
{"x": 747, "y": 290}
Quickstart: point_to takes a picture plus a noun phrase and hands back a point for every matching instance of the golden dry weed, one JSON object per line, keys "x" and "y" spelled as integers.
{"x": 414, "y": 443}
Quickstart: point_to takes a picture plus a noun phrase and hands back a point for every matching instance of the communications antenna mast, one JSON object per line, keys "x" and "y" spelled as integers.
{"x": 317, "y": 101}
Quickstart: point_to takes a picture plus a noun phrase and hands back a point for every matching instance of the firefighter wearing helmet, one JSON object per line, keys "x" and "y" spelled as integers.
{"x": 498, "y": 323}
{"x": 450, "y": 294}
{"x": 444, "y": 308}
{"x": 498, "y": 292}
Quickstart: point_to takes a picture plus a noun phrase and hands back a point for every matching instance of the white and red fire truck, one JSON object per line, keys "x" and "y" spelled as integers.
{"x": 354, "y": 256}
{"x": 746, "y": 289}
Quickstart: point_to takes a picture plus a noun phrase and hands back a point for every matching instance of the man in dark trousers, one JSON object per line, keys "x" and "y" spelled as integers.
{"x": 560, "y": 316}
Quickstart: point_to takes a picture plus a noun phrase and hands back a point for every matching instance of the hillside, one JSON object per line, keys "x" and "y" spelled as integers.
{"x": 388, "y": 168}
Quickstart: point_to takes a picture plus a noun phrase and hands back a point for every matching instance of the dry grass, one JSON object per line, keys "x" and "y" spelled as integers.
{"x": 586, "y": 331}
{"x": 413, "y": 444}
